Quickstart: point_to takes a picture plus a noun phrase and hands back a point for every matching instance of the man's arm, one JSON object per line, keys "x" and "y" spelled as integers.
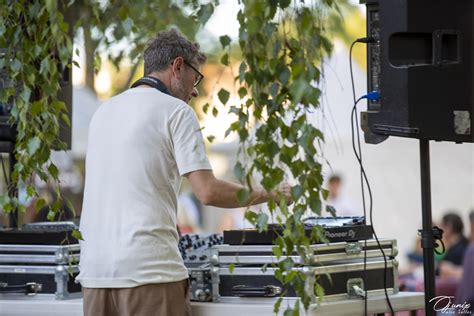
{"x": 219, "y": 193}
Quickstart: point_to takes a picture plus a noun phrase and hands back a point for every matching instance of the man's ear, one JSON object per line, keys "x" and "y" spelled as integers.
{"x": 177, "y": 66}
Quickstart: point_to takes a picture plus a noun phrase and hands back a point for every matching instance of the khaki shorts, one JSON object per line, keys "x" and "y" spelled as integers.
{"x": 163, "y": 299}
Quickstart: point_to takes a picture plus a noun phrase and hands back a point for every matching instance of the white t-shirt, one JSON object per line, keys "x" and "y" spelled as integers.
{"x": 140, "y": 144}
{"x": 343, "y": 206}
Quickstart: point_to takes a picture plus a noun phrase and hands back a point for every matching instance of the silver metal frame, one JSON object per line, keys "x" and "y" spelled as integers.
{"x": 216, "y": 272}
{"x": 60, "y": 272}
{"x": 58, "y": 254}
{"x": 351, "y": 251}
{"x": 326, "y": 299}
{"x": 38, "y": 248}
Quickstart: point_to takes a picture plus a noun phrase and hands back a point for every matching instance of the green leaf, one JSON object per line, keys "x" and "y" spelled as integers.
{"x": 225, "y": 59}
{"x": 59, "y": 105}
{"x": 239, "y": 171}
{"x": 276, "y": 306}
{"x": 71, "y": 207}
{"x": 223, "y": 96}
{"x": 97, "y": 63}
{"x": 231, "y": 267}
{"x": 250, "y": 216}
{"x": 45, "y": 67}
{"x": 225, "y": 41}
{"x": 30, "y": 190}
{"x": 51, "y": 6}
{"x": 38, "y": 50}
{"x": 325, "y": 194}
{"x": 77, "y": 234}
{"x": 243, "y": 196}
{"x": 205, "y": 108}
{"x": 277, "y": 251}
{"x": 39, "y": 204}
{"x": 53, "y": 170}
{"x": 211, "y": 138}
{"x": 36, "y": 108}
{"x": 205, "y": 13}
{"x": 26, "y": 94}
{"x": 56, "y": 207}
{"x": 297, "y": 192}
{"x": 284, "y": 3}
{"x": 215, "y": 112}
{"x": 127, "y": 25}
{"x": 242, "y": 69}
{"x": 65, "y": 119}
{"x": 234, "y": 109}
{"x": 33, "y": 145}
{"x": 15, "y": 65}
{"x": 70, "y": 270}
{"x": 315, "y": 205}
{"x": 51, "y": 215}
{"x": 287, "y": 264}
{"x": 319, "y": 292}
{"x": 290, "y": 276}
{"x": 262, "y": 222}
{"x": 331, "y": 210}
{"x": 4, "y": 199}
{"x": 123, "y": 13}
{"x": 242, "y": 92}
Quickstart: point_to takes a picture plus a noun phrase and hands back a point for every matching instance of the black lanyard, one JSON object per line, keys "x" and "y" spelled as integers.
{"x": 151, "y": 82}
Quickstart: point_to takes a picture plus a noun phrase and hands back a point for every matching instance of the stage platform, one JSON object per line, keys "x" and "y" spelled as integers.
{"x": 48, "y": 306}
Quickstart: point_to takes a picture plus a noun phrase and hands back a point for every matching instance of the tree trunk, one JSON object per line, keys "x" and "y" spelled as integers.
{"x": 90, "y": 47}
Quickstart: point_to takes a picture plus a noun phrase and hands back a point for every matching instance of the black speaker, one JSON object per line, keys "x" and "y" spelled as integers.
{"x": 422, "y": 63}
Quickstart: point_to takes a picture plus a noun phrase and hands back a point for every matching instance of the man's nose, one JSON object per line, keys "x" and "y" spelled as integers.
{"x": 195, "y": 93}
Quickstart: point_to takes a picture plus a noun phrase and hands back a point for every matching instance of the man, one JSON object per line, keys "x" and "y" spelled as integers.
{"x": 140, "y": 144}
{"x": 341, "y": 203}
{"x": 453, "y": 238}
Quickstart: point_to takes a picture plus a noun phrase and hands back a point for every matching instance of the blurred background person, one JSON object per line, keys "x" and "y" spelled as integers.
{"x": 471, "y": 224}
{"x": 450, "y": 268}
{"x": 454, "y": 241}
{"x": 189, "y": 216}
{"x": 338, "y": 199}
{"x": 465, "y": 291}
{"x": 234, "y": 219}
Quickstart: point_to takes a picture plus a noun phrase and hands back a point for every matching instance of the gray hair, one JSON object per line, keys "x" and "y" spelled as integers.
{"x": 166, "y": 46}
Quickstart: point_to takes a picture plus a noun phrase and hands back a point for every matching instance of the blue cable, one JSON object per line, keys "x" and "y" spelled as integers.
{"x": 372, "y": 96}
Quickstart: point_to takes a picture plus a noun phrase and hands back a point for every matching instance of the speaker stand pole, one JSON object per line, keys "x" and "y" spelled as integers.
{"x": 427, "y": 238}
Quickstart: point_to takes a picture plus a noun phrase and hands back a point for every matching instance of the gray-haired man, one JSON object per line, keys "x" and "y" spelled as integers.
{"x": 140, "y": 144}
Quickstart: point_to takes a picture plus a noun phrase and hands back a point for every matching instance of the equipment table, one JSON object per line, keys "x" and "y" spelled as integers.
{"x": 403, "y": 301}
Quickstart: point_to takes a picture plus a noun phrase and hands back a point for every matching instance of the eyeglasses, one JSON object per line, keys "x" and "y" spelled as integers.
{"x": 200, "y": 75}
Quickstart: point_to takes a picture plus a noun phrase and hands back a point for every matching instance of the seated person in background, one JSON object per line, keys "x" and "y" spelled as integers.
{"x": 471, "y": 221}
{"x": 456, "y": 245}
{"x": 465, "y": 292}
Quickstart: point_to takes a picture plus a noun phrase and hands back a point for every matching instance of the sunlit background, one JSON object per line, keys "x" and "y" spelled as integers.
{"x": 392, "y": 166}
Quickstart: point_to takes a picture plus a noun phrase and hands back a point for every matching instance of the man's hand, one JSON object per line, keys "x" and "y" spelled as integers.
{"x": 283, "y": 190}
{"x": 219, "y": 193}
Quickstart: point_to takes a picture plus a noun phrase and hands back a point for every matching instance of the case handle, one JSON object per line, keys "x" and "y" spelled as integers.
{"x": 256, "y": 291}
{"x": 30, "y": 288}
